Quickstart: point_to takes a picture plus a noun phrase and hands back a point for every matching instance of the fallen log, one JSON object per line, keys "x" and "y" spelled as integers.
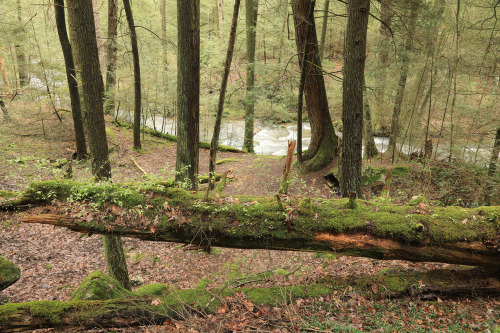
{"x": 374, "y": 229}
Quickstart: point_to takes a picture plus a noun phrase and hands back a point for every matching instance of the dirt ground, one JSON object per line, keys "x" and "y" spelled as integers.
{"x": 54, "y": 260}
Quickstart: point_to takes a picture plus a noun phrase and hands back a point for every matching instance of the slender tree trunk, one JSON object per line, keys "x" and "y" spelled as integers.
{"x": 76, "y": 109}
{"x": 370, "y": 147}
{"x": 5, "y": 112}
{"x": 220, "y": 108}
{"x": 164, "y": 48}
{"x": 21, "y": 59}
{"x": 323, "y": 146}
{"x": 72, "y": 34}
{"x": 284, "y": 5}
{"x": 455, "y": 77}
{"x": 220, "y": 19}
{"x": 385, "y": 40}
{"x": 352, "y": 96}
{"x": 93, "y": 96}
{"x": 98, "y": 31}
{"x": 405, "y": 66}
{"x": 5, "y": 73}
{"x": 251, "y": 10}
{"x": 492, "y": 168}
{"x": 188, "y": 92}
{"x": 323, "y": 28}
{"x": 111, "y": 54}
{"x": 137, "y": 75}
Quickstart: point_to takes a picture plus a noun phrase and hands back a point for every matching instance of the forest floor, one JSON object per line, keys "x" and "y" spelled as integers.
{"x": 54, "y": 260}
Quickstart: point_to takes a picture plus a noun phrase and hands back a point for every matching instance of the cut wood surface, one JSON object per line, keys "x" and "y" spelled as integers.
{"x": 375, "y": 229}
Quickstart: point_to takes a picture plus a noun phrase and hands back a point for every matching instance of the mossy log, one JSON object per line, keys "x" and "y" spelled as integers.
{"x": 375, "y": 229}
{"x": 154, "y": 304}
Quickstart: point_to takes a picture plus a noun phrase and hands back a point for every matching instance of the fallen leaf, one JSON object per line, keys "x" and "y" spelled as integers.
{"x": 156, "y": 302}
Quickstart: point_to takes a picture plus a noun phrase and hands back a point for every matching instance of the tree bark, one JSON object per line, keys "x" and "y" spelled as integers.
{"x": 493, "y": 167}
{"x": 98, "y": 32}
{"x": 137, "y": 75}
{"x": 111, "y": 55}
{"x": 21, "y": 58}
{"x": 76, "y": 109}
{"x": 352, "y": 96}
{"x": 72, "y": 34}
{"x": 188, "y": 92}
{"x": 370, "y": 147}
{"x": 220, "y": 107}
{"x": 220, "y": 19}
{"x": 323, "y": 28}
{"x": 115, "y": 260}
{"x": 5, "y": 112}
{"x": 323, "y": 146}
{"x": 251, "y": 10}
{"x": 456, "y": 235}
{"x": 4, "y": 73}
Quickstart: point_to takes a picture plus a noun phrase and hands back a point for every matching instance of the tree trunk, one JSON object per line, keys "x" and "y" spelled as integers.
{"x": 455, "y": 78}
{"x": 323, "y": 146}
{"x": 115, "y": 260}
{"x": 384, "y": 46}
{"x": 220, "y": 107}
{"x": 98, "y": 31}
{"x": 76, "y": 109}
{"x": 323, "y": 28}
{"x": 370, "y": 147}
{"x": 251, "y": 10}
{"x": 5, "y": 112}
{"x": 4, "y": 73}
{"x": 21, "y": 59}
{"x": 352, "y": 97}
{"x": 405, "y": 66}
{"x": 137, "y": 75}
{"x": 188, "y": 92}
{"x": 220, "y": 19}
{"x": 111, "y": 54}
{"x": 493, "y": 168}
{"x": 72, "y": 34}
{"x": 92, "y": 89}
{"x": 93, "y": 93}
{"x": 164, "y": 50}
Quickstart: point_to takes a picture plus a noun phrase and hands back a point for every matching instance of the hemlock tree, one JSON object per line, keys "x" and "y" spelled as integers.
{"x": 251, "y": 9}
{"x": 188, "y": 92}
{"x": 352, "y": 96}
{"x": 76, "y": 109}
{"x": 137, "y": 75}
{"x": 93, "y": 91}
{"x": 323, "y": 146}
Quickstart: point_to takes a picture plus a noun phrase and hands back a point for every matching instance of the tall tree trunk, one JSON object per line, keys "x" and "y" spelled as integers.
{"x": 352, "y": 96}
{"x": 98, "y": 31}
{"x": 115, "y": 260}
{"x": 93, "y": 96}
{"x": 5, "y": 73}
{"x": 137, "y": 75}
{"x": 492, "y": 168}
{"x": 220, "y": 18}
{"x": 5, "y": 112}
{"x": 385, "y": 39}
{"x": 455, "y": 77}
{"x": 323, "y": 28}
{"x": 220, "y": 107}
{"x": 188, "y": 92}
{"x": 251, "y": 10}
{"x": 323, "y": 146}
{"x": 21, "y": 59}
{"x": 164, "y": 48}
{"x": 72, "y": 34}
{"x": 405, "y": 66}
{"x": 111, "y": 53}
{"x": 76, "y": 109}
{"x": 284, "y": 8}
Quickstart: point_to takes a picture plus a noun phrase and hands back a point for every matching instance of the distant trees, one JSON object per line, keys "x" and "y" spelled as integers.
{"x": 111, "y": 50}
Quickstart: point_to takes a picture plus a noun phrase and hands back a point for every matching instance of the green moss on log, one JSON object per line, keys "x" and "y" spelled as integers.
{"x": 9, "y": 273}
{"x": 99, "y": 286}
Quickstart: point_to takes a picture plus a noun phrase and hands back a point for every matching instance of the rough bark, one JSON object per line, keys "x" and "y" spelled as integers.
{"x": 188, "y": 92}
{"x": 323, "y": 146}
{"x": 72, "y": 34}
{"x": 385, "y": 37}
{"x": 251, "y": 10}
{"x": 92, "y": 88}
{"x": 4, "y": 73}
{"x": 493, "y": 167}
{"x": 323, "y": 28}
{"x": 137, "y": 75}
{"x": 76, "y": 109}
{"x": 111, "y": 54}
{"x": 220, "y": 19}
{"x": 456, "y": 235}
{"x": 5, "y": 112}
{"x": 220, "y": 107}
{"x": 352, "y": 96}
{"x": 115, "y": 260}
{"x": 98, "y": 32}
{"x": 405, "y": 66}
{"x": 370, "y": 147}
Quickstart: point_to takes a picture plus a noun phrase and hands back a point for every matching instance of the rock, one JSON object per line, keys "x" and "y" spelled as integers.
{"x": 9, "y": 273}
{"x": 99, "y": 286}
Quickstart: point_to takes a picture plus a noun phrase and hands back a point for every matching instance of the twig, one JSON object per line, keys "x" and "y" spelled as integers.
{"x": 138, "y": 166}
